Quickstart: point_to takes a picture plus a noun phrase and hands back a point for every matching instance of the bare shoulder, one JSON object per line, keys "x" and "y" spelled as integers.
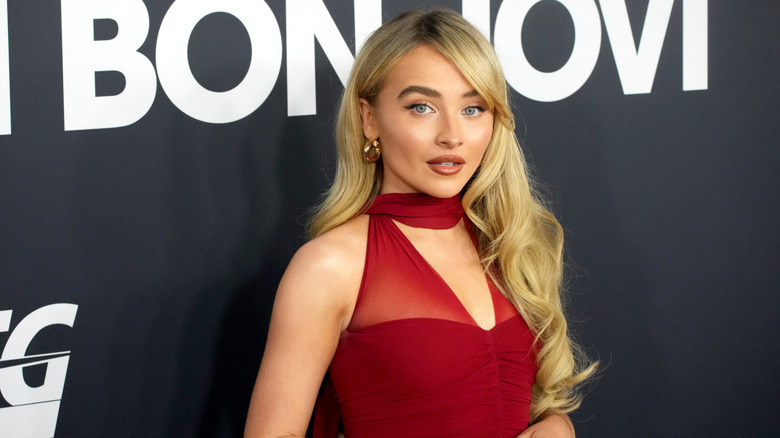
{"x": 313, "y": 306}
{"x": 336, "y": 248}
{"x": 328, "y": 269}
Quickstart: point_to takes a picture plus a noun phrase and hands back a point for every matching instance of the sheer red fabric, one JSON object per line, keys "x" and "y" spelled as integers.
{"x": 413, "y": 362}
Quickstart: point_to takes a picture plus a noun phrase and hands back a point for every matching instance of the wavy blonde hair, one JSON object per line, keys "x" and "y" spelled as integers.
{"x": 520, "y": 241}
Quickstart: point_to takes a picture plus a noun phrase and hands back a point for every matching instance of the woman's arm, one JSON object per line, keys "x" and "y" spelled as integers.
{"x": 313, "y": 304}
{"x": 552, "y": 425}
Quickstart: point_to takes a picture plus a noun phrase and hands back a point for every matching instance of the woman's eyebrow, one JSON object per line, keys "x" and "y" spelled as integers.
{"x": 430, "y": 92}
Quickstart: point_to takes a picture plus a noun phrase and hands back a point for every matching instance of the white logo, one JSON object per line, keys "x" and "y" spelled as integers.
{"x": 32, "y": 411}
{"x": 310, "y": 20}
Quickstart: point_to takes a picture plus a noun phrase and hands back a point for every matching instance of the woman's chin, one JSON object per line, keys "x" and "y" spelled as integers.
{"x": 444, "y": 192}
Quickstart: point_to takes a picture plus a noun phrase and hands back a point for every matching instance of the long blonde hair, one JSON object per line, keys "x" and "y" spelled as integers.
{"x": 520, "y": 241}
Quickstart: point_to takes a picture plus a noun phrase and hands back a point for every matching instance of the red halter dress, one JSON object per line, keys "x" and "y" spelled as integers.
{"x": 413, "y": 362}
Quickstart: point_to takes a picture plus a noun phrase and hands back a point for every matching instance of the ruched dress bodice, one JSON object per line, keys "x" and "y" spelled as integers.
{"x": 413, "y": 362}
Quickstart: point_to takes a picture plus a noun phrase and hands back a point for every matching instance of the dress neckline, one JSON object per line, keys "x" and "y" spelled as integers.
{"x": 419, "y": 210}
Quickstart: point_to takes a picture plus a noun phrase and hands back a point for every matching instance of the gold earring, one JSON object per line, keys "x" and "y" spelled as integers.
{"x": 372, "y": 151}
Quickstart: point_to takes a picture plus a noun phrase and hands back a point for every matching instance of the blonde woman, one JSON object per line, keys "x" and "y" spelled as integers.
{"x": 429, "y": 296}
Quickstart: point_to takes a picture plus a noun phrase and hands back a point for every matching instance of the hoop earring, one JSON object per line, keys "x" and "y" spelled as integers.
{"x": 372, "y": 150}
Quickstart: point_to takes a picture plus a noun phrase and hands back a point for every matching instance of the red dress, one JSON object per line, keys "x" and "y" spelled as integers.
{"x": 413, "y": 362}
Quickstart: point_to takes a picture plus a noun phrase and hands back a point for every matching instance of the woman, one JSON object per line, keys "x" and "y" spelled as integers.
{"x": 430, "y": 289}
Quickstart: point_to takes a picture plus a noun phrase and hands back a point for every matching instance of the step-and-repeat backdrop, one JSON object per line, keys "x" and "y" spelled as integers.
{"x": 157, "y": 160}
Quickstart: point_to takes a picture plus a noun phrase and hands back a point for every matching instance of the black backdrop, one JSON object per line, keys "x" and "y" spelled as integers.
{"x": 169, "y": 233}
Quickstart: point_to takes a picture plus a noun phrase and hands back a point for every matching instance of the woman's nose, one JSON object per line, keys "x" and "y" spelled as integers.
{"x": 450, "y": 132}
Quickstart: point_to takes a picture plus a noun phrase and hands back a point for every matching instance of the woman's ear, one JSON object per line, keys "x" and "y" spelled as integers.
{"x": 367, "y": 116}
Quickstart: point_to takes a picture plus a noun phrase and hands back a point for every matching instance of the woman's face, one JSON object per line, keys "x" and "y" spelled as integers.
{"x": 432, "y": 125}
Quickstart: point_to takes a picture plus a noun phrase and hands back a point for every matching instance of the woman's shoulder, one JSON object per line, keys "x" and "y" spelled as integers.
{"x": 340, "y": 247}
{"x": 327, "y": 271}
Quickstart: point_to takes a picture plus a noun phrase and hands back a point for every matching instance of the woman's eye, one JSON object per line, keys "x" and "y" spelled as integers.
{"x": 419, "y": 108}
{"x": 473, "y": 110}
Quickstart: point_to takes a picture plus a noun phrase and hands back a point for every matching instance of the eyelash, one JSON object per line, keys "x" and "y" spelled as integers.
{"x": 477, "y": 107}
{"x": 412, "y": 106}
{"x": 418, "y": 104}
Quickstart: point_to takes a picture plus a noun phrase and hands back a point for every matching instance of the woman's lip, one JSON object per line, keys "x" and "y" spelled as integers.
{"x": 456, "y": 159}
{"x": 447, "y": 164}
{"x": 446, "y": 168}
